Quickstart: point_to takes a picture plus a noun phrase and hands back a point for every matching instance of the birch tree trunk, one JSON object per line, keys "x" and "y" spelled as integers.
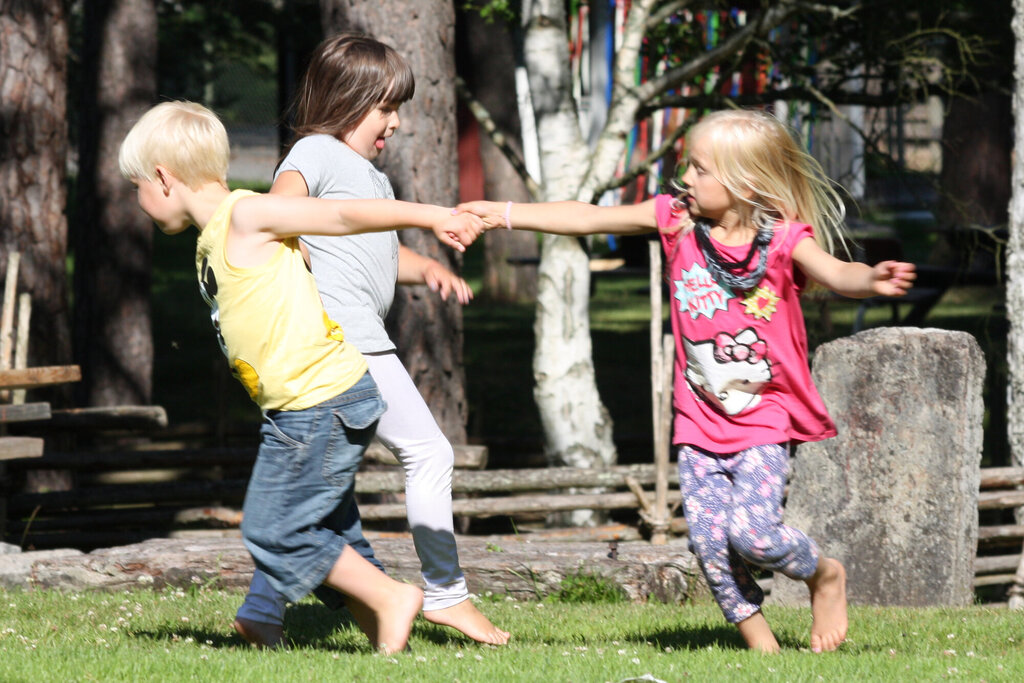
{"x": 1015, "y": 285}
{"x": 577, "y": 426}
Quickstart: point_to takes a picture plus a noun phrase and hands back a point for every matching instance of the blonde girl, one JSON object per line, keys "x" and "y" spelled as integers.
{"x": 756, "y": 219}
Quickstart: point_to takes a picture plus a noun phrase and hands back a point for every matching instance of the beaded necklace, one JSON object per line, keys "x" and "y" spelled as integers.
{"x": 726, "y": 271}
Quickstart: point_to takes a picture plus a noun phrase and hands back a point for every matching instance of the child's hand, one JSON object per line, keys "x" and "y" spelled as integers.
{"x": 445, "y": 282}
{"x": 893, "y": 278}
{"x": 492, "y": 213}
{"x": 458, "y": 231}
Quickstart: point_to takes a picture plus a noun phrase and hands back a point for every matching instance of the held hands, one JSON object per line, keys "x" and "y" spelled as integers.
{"x": 491, "y": 213}
{"x": 459, "y": 230}
{"x": 893, "y": 278}
{"x": 445, "y": 282}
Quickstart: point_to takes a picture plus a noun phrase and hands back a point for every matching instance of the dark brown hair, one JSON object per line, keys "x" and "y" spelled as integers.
{"x": 348, "y": 75}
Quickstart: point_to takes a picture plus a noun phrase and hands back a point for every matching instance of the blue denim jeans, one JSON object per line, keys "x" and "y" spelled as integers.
{"x": 299, "y": 511}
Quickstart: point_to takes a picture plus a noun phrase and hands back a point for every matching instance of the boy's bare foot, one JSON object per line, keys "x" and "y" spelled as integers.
{"x": 260, "y": 634}
{"x": 828, "y": 605}
{"x": 758, "y": 634}
{"x": 394, "y": 621}
{"x": 467, "y": 619}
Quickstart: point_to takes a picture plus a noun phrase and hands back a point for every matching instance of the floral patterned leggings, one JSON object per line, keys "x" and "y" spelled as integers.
{"x": 733, "y": 506}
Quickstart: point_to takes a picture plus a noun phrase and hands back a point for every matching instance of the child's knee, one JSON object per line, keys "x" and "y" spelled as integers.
{"x": 432, "y": 457}
{"x": 756, "y": 549}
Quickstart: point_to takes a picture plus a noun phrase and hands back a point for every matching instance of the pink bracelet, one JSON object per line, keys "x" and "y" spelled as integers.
{"x": 508, "y": 212}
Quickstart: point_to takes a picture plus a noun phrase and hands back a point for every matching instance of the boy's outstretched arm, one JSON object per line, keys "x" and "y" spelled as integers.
{"x": 565, "y": 218}
{"x": 852, "y": 279}
{"x": 277, "y": 217}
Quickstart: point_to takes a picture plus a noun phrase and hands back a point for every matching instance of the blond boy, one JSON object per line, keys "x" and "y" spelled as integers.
{"x": 320, "y": 406}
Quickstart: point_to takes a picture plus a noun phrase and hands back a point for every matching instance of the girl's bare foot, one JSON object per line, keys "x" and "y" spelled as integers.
{"x": 828, "y": 605}
{"x": 757, "y": 634}
{"x": 260, "y": 634}
{"x": 394, "y": 619}
{"x": 467, "y": 619}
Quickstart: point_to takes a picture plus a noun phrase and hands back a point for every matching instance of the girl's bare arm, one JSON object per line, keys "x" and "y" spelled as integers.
{"x": 855, "y": 280}
{"x": 566, "y": 218}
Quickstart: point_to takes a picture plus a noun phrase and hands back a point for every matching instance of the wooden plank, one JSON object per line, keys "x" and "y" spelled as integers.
{"x": 514, "y": 505}
{"x": 110, "y": 417}
{"x": 228, "y": 492}
{"x": 104, "y": 519}
{"x": 995, "y": 564}
{"x": 28, "y": 378}
{"x": 1001, "y": 477}
{"x": 506, "y": 481}
{"x": 996, "y": 500}
{"x": 467, "y": 456}
{"x": 25, "y": 412}
{"x": 1000, "y": 535}
{"x": 20, "y": 447}
{"x": 120, "y": 460}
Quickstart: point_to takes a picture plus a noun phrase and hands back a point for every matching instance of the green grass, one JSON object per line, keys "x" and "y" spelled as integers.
{"x": 184, "y": 635}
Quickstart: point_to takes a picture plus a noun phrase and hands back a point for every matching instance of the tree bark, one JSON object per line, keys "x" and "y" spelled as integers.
{"x": 487, "y": 63}
{"x": 422, "y": 168}
{"x": 33, "y": 157}
{"x": 112, "y": 239}
{"x": 1015, "y": 286}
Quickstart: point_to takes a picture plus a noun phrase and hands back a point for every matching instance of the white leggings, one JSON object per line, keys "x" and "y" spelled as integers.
{"x": 409, "y": 430}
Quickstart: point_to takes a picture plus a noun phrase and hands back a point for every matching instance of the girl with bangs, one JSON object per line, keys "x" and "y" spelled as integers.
{"x": 345, "y": 112}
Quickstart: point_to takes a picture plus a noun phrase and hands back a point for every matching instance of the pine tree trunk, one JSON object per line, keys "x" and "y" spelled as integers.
{"x": 112, "y": 239}
{"x": 33, "y": 157}
{"x": 422, "y": 165}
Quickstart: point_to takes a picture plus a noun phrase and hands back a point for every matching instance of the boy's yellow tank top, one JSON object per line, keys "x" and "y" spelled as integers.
{"x": 271, "y": 324}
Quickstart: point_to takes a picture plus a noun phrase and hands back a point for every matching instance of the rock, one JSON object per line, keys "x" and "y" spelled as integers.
{"x": 895, "y": 495}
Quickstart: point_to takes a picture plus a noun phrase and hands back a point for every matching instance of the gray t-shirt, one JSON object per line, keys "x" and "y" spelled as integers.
{"x": 355, "y": 274}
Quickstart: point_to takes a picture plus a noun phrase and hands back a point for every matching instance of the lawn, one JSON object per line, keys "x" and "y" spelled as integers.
{"x": 184, "y": 635}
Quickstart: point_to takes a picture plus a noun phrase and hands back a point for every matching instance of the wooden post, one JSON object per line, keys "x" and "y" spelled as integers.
{"x": 7, "y": 315}
{"x": 661, "y": 400}
{"x": 21, "y": 343}
{"x": 6, "y": 328}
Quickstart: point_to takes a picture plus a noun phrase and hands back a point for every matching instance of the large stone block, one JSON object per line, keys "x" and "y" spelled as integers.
{"x": 895, "y": 495}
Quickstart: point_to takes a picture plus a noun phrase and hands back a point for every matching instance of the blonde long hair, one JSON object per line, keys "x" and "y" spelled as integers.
{"x": 761, "y": 162}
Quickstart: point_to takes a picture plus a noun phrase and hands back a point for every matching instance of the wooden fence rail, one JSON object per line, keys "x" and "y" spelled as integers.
{"x": 127, "y": 497}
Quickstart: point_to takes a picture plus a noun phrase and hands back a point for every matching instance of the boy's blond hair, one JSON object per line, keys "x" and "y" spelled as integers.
{"x": 186, "y": 138}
